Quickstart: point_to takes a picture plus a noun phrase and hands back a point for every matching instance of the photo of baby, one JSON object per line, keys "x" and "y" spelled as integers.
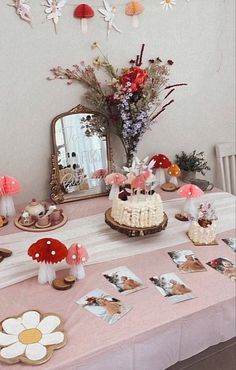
{"x": 124, "y": 280}
{"x": 103, "y": 305}
{"x": 172, "y": 287}
{"x": 224, "y": 266}
{"x": 231, "y": 242}
{"x": 186, "y": 261}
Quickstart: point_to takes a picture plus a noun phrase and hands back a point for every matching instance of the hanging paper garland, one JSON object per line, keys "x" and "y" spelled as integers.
{"x": 22, "y": 9}
{"x": 167, "y": 4}
{"x": 53, "y": 10}
{"x": 109, "y": 14}
{"x": 83, "y": 12}
{"x": 134, "y": 8}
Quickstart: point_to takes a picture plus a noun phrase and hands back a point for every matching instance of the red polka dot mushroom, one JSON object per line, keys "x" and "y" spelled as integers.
{"x": 47, "y": 251}
{"x": 160, "y": 165}
{"x": 8, "y": 186}
{"x": 83, "y": 12}
{"x": 76, "y": 257}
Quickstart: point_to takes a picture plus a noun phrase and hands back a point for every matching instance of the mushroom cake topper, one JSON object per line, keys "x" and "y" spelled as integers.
{"x": 47, "y": 251}
{"x": 53, "y": 9}
{"x": 109, "y": 15}
{"x": 116, "y": 180}
{"x": 22, "y": 9}
{"x": 76, "y": 257}
{"x": 83, "y": 12}
{"x": 8, "y": 186}
{"x": 134, "y": 8}
{"x": 161, "y": 163}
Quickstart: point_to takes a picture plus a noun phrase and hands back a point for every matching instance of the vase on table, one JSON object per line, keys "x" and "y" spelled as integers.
{"x": 186, "y": 176}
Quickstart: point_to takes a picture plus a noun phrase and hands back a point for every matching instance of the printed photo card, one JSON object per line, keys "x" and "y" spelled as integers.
{"x": 224, "y": 266}
{"x": 172, "y": 287}
{"x": 103, "y": 305}
{"x": 123, "y": 280}
{"x": 186, "y": 261}
{"x": 231, "y": 242}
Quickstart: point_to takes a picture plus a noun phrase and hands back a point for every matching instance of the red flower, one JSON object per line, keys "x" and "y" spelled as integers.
{"x": 135, "y": 76}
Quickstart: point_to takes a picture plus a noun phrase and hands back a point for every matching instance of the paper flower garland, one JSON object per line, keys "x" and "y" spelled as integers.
{"x": 109, "y": 14}
{"x": 54, "y": 10}
{"x": 22, "y": 9}
{"x": 30, "y": 337}
{"x": 168, "y": 4}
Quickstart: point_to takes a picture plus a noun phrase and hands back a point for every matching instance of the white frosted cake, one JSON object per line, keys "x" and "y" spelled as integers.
{"x": 202, "y": 235}
{"x": 138, "y": 211}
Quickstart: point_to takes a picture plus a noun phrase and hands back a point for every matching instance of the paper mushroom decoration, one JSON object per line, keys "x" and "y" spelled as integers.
{"x": 134, "y": 8}
{"x": 83, "y": 12}
{"x": 174, "y": 172}
{"x": 116, "y": 180}
{"x": 76, "y": 257}
{"x": 8, "y": 187}
{"x": 160, "y": 165}
{"x": 47, "y": 251}
{"x": 189, "y": 192}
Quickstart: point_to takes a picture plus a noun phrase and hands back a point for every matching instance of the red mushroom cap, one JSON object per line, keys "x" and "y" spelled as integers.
{"x": 83, "y": 11}
{"x": 161, "y": 161}
{"x": 190, "y": 191}
{"x": 76, "y": 254}
{"x": 48, "y": 250}
{"x": 9, "y": 185}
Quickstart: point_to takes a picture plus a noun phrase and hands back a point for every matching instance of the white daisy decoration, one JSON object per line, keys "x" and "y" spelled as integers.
{"x": 30, "y": 338}
{"x": 167, "y": 4}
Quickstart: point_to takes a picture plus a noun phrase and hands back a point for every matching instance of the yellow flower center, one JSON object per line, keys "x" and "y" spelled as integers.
{"x": 30, "y": 336}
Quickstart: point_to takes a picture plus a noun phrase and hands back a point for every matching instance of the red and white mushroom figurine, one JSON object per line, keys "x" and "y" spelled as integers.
{"x": 189, "y": 191}
{"x": 47, "y": 251}
{"x": 116, "y": 180}
{"x": 76, "y": 257}
{"x": 8, "y": 186}
{"x": 161, "y": 163}
{"x": 83, "y": 12}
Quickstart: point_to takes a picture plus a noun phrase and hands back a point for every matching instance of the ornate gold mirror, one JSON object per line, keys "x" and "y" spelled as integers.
{"x": 81, "y": 156}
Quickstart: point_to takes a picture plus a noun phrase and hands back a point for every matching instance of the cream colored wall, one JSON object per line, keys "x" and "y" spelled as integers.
{"x": 198, "y": 36}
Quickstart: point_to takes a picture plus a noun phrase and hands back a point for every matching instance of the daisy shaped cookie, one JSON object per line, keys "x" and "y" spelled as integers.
{"x": 31, "y": 337}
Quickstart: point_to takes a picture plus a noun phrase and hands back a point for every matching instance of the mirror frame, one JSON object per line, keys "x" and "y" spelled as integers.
{"x": 57, "y": 195}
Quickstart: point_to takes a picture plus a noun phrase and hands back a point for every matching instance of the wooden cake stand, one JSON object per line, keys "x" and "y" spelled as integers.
{"x": 134, "y": 231}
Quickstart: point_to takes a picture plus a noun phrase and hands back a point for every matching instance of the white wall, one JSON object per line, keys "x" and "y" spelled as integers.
{"x": 198, "y": 36}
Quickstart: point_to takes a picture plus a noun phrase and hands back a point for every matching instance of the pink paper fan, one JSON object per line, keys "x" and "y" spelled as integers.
{"x": 190, "y": 191}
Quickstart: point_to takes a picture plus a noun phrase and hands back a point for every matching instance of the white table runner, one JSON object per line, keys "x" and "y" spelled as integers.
{"x": 105, "y": 244}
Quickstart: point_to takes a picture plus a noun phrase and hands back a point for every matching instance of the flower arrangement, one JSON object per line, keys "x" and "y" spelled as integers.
{"x": 193, "y": 162}
{"x": 129, "y": 102}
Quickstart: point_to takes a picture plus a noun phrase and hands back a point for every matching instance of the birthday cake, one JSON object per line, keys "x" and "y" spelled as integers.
{"x": 202, "y": 230}
{"x": 141, "y": 210}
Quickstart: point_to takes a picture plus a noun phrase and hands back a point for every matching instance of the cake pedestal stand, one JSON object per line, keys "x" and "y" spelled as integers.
{"x": 134, "y": 231}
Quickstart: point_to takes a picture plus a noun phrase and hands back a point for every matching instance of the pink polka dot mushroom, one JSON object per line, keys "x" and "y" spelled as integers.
{"x": 189, "y": 191}
{"x": 8, "y": 186}
{"x": 76, "y": 257}
{"x": 116, "y": 180}
{"x": 47, "y": 251}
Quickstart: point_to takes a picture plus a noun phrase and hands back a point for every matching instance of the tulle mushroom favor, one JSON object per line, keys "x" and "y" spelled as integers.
{"x": 160, "y": 165}
{"x": 47, "y": 251}
{"x": 174, "y": 172}
{"x": 115, "y": 180}
{"x": 83, "y": 12}
{"x": 134, "y": 8}
{"x": 76, "y": 257}
{"x": 189, "y": 210}
{"x": 9, "y": 186}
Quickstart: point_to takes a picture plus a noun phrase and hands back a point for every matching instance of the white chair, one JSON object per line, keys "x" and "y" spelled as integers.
{"x": 226, "y": 162}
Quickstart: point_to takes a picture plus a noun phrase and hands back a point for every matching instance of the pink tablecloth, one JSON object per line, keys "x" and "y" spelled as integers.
{"x": 154, "y": 334}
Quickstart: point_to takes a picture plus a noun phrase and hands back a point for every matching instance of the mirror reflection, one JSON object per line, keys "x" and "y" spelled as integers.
{"x": 81, "y": 156}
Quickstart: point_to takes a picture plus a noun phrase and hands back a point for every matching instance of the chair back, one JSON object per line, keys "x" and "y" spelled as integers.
{"x": 226, "y": 162}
